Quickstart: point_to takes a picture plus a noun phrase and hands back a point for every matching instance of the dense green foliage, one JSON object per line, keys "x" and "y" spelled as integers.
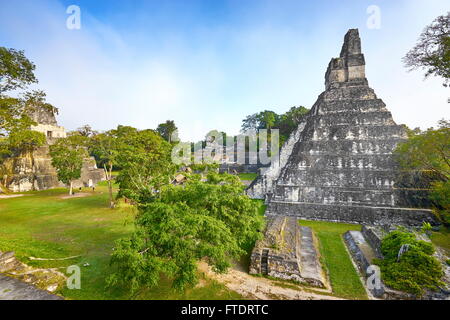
{"x": 441, "y": 196}
{"x": 21, "y": 141}
{"x": 429, "y": 151}
{"x": 16, "y": 73}
{"x": 145, "y": 161}
{"x": 286, "y": 122}
{"x": 413, "y": 271}
{"x": 432, "y": 52}
{"x": 168, "y": 131}
{"x": 105, "y": 147}
{"x": 49, "y": 225}
{"x": 212, "y": 220}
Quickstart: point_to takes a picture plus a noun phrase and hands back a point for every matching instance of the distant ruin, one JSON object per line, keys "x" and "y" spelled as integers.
{"x": 338, "y": 165}
{"x": 33, "y": 171}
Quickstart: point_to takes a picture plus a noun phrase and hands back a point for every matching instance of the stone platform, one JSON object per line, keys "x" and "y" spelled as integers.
{"x": 288, "y": 252}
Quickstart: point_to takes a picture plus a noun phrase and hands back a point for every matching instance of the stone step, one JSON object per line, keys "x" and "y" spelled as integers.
{"x": 13, "y": 289}
{"x": 309, "y": 264}
{"x": 352, "y": 213}
{"x": 265, "y": 262}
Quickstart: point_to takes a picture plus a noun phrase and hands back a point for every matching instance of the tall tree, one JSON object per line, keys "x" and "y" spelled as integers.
{"x": 145, "y": 161}
{"x": 168, "y": 131}
{"x": 105, "y": 148}
{"x": 251, "y": 122}
{"x": 86, "y": 131}
{"x": 286, "y": 122}
{"x": 268, "y": 119}
{"x": 212, "y": 220}
{"x": 67, "y": 158}
{"x": 16, "y": 71}
{"x": 432, "y": 52}
{"x": 429, "y": 151}
{"x": 290, "y": 120}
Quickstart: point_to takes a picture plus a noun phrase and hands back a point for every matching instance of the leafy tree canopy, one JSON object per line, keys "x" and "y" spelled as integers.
{"x": 86, "y": 131}
{"x": 432, "y": 51}
{"x": 168, "y": 131}
{"x": 429, "y": 151}
{"x": 145, "y": 162}
{"x": 213, "y": 220}
{"x": 16, "y": 71}
{"x": 286, "y": 122}
{"x": 67, "y": 158}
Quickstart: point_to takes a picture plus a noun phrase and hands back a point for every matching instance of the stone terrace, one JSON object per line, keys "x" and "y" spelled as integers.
{"x": 288, "y": 252}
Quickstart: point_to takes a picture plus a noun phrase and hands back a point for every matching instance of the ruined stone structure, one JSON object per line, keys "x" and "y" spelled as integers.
{"x": 288, "y": 252}
{"x": 47, "y": 124}
{"x": 34, "y": 171}
{"x": 338, "y": 164}
{"x": 365, "y": 245}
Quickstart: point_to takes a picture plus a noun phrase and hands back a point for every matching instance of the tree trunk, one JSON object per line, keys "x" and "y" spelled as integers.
{"x": 109, "y": 179}
{"x": 71, "y": 188}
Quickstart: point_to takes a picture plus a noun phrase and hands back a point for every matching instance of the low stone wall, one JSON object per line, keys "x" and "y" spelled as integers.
{"x": 373, "y": 237}
{"x": 352, "y": 214}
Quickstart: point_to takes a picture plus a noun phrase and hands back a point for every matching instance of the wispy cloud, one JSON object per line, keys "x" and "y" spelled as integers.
{"x": 208, "y": 67}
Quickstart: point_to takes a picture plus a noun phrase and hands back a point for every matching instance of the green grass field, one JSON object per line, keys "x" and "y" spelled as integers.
{"x": 45, "y": 225}
{"x": 344, "y": 278}
{"x": 442, "y": 239}
{"x": 248, "y": 176}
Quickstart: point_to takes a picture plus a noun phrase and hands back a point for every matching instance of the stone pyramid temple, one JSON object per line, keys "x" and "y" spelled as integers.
{"x": 33, "y": 171}
{"x": 338, "y": 164}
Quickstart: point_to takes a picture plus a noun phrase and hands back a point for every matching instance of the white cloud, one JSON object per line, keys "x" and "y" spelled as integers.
{"x": 212, "y": 80}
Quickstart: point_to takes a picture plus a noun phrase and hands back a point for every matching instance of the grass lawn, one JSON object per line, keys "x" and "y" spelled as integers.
{"x": 44, "y": 225}
{"x": 248, "y": 176}
{"x": 334, "y": 256}
{"x": 442, "y": 239}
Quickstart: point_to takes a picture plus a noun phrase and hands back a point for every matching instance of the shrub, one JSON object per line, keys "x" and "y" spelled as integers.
{"x": 416, "y": 270}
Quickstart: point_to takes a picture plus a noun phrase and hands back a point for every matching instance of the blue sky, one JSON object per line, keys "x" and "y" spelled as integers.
{"x": 207, "y": 64}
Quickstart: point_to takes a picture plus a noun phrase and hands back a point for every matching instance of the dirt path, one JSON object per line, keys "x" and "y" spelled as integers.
{"x": 252, "y": 287}
{"x": 76, "y": 195}
{"x": 11, "y": 196}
